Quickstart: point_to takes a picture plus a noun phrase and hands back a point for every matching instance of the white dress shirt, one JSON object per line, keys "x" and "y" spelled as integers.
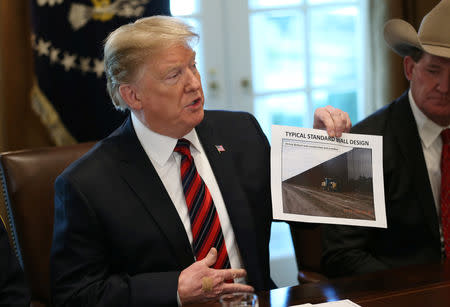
{"x": 431, "y": 141}
{"x": 159, "y": 149}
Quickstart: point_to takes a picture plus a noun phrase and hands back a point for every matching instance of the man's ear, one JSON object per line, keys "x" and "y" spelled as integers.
{"x": 408, "y": 66}
{"x": 130, "y": 96}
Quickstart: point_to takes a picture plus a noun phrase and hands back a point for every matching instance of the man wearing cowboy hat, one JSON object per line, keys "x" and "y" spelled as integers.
{"x": 411, "y": 127}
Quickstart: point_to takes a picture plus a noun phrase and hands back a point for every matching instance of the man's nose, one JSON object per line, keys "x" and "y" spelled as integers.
{"x": 444, "y": 83}
{"x": 193, "y": 80}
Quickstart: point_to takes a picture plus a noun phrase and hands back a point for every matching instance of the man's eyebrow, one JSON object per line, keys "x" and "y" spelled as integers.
{"x": 171, "y": 69}
{"x": 434, "y": 65}
{"x": 177, "y": 66}
{"x": 193, "y": 57}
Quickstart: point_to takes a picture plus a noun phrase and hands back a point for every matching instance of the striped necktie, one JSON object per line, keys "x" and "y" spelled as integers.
{"x": 205, "y": 224}
{"x": 445, "y": 189}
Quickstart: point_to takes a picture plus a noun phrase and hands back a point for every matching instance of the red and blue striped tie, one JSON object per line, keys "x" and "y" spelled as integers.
{"x": 205, "y": 224}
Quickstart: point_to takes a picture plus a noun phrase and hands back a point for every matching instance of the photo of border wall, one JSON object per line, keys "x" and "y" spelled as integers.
{"x": 341, "y": 187}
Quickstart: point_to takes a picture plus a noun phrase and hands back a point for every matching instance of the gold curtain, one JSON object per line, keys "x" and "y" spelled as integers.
{"x": 385, "y": 79}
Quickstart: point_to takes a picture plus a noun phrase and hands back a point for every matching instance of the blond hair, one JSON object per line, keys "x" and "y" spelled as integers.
{"x": 128, "y": 47}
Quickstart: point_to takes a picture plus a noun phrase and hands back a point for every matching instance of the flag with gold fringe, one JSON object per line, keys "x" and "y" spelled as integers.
{"x": 69, "y": 92}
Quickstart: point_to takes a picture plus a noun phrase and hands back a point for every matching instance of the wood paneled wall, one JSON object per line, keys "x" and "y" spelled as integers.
{"x": 19, "y": 126}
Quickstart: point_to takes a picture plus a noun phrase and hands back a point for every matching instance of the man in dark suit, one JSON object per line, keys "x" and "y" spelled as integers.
{"x": 127, "y": 232}
{"x": 411, "y": 127}
{"x": 13, "y": 288}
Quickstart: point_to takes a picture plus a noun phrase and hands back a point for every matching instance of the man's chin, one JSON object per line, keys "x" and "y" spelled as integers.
{"x": 200, "y": 116}
{"x": 441, "y": 118}
{"x": 195, "y": 118}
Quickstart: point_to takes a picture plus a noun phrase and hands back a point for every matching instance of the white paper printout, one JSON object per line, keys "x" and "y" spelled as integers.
{"x": 321, "y": 179}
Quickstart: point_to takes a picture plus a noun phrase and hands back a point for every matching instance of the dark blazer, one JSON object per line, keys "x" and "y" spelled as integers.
{"x": 13, "y": 288}
{"x": 118, "y": 239}
{"x": 412, "y": 235}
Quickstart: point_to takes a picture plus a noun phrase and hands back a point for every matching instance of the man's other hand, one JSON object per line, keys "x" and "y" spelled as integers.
{"x": 199, "y": 282}
{"x": 335, "y": 121}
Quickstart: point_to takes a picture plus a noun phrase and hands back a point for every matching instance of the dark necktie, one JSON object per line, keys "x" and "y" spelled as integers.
{"x": 445, "y": 189}
{"x": 205, "y": 224}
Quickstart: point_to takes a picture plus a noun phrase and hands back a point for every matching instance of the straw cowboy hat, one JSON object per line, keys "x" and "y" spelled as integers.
{"x": 433, "y": 36}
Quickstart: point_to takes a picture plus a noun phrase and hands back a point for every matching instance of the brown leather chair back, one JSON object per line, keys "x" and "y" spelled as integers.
{"x": 27, "y": 178}
{"x": 308, "y": 251}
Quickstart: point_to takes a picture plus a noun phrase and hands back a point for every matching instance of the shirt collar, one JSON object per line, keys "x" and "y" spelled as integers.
{"x": 160, "y": 147}
{"x": 429, "y": 131}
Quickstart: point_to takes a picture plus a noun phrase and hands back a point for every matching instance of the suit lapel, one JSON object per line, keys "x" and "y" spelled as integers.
{"x": 404, "y": 126}
{"x": 138, "y": 171}
{"x": 235, "y": 199}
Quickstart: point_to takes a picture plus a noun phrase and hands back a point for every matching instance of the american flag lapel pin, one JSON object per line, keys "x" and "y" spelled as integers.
{"x": 220, "y": 148}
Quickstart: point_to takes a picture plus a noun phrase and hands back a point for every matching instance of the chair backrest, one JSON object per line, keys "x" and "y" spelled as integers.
{"x": 27, "y": 178}
{"x": 307, "y": 240}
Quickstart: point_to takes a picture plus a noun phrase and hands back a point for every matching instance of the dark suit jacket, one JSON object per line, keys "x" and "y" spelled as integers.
{"x": 118, "y": 239}
{"x": 13, "y": 288}
{"x": 412, "y": 235}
